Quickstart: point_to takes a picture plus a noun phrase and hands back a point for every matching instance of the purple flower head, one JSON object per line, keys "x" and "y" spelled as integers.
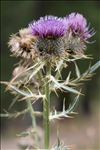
{"x": 78, "y": 25}
{"x": 48, "y": 26}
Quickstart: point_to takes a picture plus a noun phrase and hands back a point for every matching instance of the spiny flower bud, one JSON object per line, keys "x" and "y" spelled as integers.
{"x": 77, "y": 33}
{"x": 74, "y": 44}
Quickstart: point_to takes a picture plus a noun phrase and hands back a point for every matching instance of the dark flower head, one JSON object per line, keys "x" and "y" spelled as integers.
{"x": 48, "y": 26}
{"x": 51, "y": 46}
{"x": 74, "y": 45}
{"x": 77, "y": 24}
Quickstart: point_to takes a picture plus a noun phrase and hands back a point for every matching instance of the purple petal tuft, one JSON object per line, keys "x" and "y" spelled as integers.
{"x": 48, "y": 26}
{"x": 78, "y": 25}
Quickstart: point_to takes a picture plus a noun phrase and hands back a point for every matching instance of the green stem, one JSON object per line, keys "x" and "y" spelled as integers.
{"x": 46, "y": 109}
{"x": 31, "y": 110}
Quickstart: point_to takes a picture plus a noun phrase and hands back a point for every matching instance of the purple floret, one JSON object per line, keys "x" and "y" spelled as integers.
{"x": 76, "y": 23}
{"x": 48, "y": 26}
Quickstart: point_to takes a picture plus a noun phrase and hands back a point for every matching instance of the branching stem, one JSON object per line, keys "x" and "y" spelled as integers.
{"x": 31, "y": 110}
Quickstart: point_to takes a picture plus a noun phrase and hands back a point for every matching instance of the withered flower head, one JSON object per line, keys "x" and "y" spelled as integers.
{"x": 23, "y": 44}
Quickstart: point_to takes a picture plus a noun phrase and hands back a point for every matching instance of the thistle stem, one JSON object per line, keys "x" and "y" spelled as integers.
{"x": 46, "y": 109}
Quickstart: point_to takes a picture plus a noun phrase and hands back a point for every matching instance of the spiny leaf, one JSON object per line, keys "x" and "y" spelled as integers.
{"x": 77, "y": 70}
{"x": 61, "y": 86}
{"x": 27, "y": 94}
{"x": 14, "y": 101}
{"x": 15, "y": 114}
{"x": 23, "y": 72}
{"x": 87, "y": 73}
{"x": 64, "y": 105}
{"x": 36, "y": 71}
{"x": 77, "y": 57}
{"x": 24, "y": 93}
{"x": 65, "y": 113}
{"x": 73, "y": 105}
{"x": 94, "y": 67}
{"x": 67, "y": 79}
{"x": 59, "y": 67}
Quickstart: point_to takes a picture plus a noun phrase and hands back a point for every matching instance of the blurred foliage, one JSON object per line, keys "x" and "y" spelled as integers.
{"x": 17, "y": 14}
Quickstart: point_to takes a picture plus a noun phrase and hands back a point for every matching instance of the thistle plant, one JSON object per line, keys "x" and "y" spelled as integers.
{"x": 45, "y": 48}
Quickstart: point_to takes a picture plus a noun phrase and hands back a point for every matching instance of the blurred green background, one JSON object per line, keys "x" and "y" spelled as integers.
{"x": 17, "y": 14}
